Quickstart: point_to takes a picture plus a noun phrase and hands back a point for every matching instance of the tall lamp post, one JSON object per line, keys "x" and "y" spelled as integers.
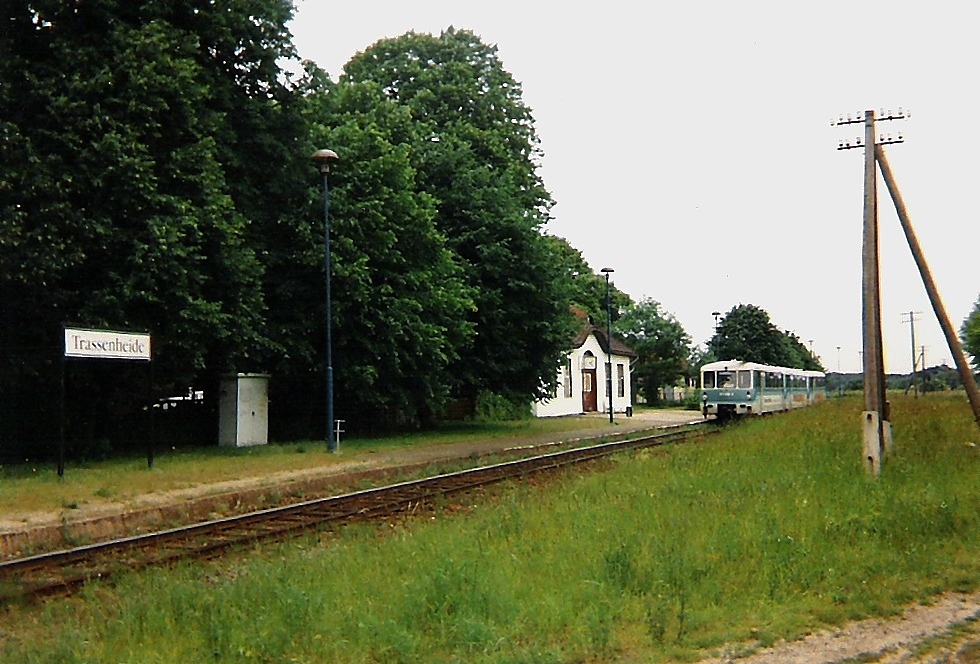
{"x": 609, "y": 393}
{"x": 323, "y": 159}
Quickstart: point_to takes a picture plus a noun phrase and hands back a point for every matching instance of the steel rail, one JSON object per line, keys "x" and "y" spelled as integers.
{"x": 63, "y": 570}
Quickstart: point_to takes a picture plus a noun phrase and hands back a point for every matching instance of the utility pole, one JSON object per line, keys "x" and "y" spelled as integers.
{"x": 840, "y": 378}
{"x": 955, "y": 347}
{"x": 911, "y": 321}
{"x": 875, "y": 419}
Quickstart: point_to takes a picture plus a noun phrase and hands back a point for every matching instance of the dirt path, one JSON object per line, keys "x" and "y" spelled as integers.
{"x": 946, "y": 631}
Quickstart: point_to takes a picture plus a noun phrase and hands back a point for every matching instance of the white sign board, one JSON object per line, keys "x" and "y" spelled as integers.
{"x": 107, "y": 344}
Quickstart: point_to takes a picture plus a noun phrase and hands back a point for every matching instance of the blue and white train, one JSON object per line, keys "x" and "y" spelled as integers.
{"x": 732, "y": 388}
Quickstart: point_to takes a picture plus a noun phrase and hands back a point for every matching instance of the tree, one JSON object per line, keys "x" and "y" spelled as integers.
{"x": 400, "y": 300}
{"x": 970, "y": 333}
{"x": 118, "y": 207}
{"x": 588, "y": 288}
{"x": 478, "y": 158}
{"x": 661, "y": 344}
{"x": 746, "y": 333}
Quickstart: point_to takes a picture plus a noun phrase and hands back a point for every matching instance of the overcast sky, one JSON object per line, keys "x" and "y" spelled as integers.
{"x": 688, "y": 146}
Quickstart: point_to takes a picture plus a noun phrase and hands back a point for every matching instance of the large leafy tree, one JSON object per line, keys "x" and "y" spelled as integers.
{"x": 661, "y": 344}
{"x": 747, "y": 333}
{"x": 478, "y": 158}
{"x": 970, "y": 334}
{"x": 119, "y": 128}
{"x": 400, "y": 300}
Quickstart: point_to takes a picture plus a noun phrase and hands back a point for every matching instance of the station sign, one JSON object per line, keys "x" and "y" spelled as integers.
{"x": 107, "y": 344}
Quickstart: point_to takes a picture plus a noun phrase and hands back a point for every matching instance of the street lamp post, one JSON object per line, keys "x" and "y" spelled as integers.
{"x": 609, "y": 390}
{"x": 713, "y": 343}
{"x": 323, "y": 159}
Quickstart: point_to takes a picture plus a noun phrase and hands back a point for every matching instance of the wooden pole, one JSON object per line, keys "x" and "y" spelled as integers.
{"x": 955, "y": 347}
{"x": 873, "y": 415}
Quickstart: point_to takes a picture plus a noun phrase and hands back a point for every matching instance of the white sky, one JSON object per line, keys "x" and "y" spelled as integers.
{"x": 688, "y": 146}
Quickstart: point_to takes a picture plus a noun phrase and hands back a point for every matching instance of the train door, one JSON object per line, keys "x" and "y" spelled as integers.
{"x": 590, "y": 400}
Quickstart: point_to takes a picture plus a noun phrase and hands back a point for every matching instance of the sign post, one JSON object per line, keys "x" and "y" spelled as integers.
{"x": 83, "y": 343}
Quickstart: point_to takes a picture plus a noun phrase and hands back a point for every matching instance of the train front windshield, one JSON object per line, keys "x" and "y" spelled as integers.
{"x": 719, "y": 379}
{"x": 726, "y": 379}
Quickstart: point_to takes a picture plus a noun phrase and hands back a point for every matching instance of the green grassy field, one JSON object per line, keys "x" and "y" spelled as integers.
{"x": 36, "y": 487}
{"x": 767, "y": 531}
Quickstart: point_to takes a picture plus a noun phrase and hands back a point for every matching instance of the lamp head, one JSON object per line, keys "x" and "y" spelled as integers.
{"x": 323, "y": 159}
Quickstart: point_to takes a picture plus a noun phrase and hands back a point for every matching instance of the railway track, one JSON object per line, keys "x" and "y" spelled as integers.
{"x": 61, "y": 572}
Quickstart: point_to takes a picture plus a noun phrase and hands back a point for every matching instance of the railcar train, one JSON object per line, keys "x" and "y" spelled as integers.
{"x": 732, "y": 388}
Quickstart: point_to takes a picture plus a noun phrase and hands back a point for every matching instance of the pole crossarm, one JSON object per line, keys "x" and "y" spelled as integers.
{"x": 861, "y": 117}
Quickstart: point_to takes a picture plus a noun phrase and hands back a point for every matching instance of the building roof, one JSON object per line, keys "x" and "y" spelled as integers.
{"x": 618, "y": 347}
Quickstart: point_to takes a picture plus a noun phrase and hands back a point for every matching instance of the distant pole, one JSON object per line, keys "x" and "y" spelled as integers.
{"x": 875, "y": 418}
{"x": 911, "y": 322}
{"x": 323, "y": 159}
{"x": 840, "y": 377}
{"x": 955, "y": 347}
{"x": 713, "y": 344}
{"x": 609, "y": 393}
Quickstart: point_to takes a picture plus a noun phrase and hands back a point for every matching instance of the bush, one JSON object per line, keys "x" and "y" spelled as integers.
{"x": 491, "y": 407}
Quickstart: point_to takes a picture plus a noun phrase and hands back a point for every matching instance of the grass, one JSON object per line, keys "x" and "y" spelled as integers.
{"x": 26, "y": 488}
{"x": 766, "y": 532}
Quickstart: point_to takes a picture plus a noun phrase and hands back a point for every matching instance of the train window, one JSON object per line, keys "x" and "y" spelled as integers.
{"x": 708, "y": 380}
{"x": 745, "y": 379}
{"x": 726, "y": 379}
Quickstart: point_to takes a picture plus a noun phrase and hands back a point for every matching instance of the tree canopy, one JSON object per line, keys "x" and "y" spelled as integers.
{"x": 588, "y": 288}
{"x": 661, "y": 344}
{"x": 477, "y": 156}
{"x": 163, "y": 182}
{"x": 117, "y": 196}
{"x": 402, "y": 302}
{"x": 970, "y": 334}
{"x": 747, "y": 333}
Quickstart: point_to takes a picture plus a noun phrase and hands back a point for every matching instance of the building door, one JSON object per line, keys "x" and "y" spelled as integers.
{"x": 590, "y": 402}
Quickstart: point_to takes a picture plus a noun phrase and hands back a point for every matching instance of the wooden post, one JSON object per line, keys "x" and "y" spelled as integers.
{"x": 972, "y": 393}
{"x": 873, "y": 416}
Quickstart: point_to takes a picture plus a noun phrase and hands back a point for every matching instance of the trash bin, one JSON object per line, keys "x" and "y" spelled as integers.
{"x": 629, "y": 411}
